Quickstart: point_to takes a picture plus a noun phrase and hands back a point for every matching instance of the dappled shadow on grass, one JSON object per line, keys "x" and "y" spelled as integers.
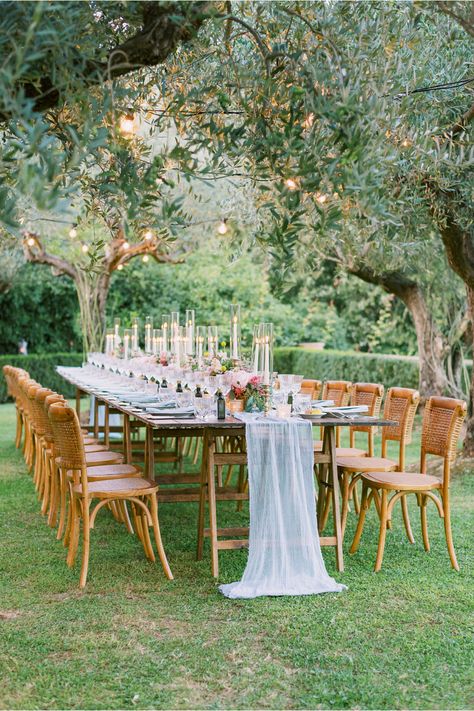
{"x": 132, "y": 639}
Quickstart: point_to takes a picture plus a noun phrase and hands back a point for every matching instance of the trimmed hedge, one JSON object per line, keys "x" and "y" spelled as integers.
{"x": 389, "y": 370}
{"x": 42, "y": 369}
{"x": 322, "y": 365}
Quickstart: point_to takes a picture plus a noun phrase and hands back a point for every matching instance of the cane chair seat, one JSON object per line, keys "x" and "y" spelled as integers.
{"x": 95, "y": 459}
{"x": 402, "y": 481}
{"x": 95, "y": 448}
{"x": 118, "y": 487}
{"x": 110, "y": 471}
{"x": 341, "y": 451}
{"x": 366, "y": 464}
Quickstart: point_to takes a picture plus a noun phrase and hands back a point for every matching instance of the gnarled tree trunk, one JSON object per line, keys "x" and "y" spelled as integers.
{"x": 432, "y": 347}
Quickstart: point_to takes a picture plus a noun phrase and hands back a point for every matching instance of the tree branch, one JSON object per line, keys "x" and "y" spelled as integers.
{"x": 37, "y": 254}
{"x": 162, "y": 32}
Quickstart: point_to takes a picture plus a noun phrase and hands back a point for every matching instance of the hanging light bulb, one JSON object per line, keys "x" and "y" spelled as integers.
{"x": 31, "y": 241}
{"x": 291, "y": 184}
{"x": 85, "y": 248}
{"x": 125, "y": 245}
{"x": 73, "y": 232}
{"x": 148, "y": 235}
{"x": 120, "y": 267}
{"x": 145, "y": 258}
{"x": 127, "y": 125}
{"x": 222, "y": 229}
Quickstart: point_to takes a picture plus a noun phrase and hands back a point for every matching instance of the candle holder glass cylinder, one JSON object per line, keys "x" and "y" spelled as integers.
{"x": 165, "y": 331}
{"x": 267, "y": 345}
{"x": 235, "y": 332}
{"x": 127, "y": 340}
{"x": 257, "y": 350}
{"x": 109, "y": 342}
{"x": 212, "y": 341}
{"x": 174, "y": 333}
{"x": 117, "y": 337}
{"x": 148, "y": 334}
{"x": 156, "y": 342}
{"x": 189, "y": 332}
{"x": 135, "y": 345}
{"x": 200, "y": 344}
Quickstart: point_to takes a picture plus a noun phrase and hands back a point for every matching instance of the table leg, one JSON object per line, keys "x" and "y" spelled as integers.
{"x": 127, "y": 444}
{"x": 78, "y": 402}
{"x": 336, "y": 512}
{"x": 149, "y": 454}
{"x": 96, "y": 417}
{"x": 211, "y": 495}
{"x": 106, "y": 424}
{"x": 323, "y": 477}
{"x": 202, "y": 497}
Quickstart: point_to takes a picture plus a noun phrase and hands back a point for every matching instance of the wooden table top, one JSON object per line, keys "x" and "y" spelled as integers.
{"x": 177, "y": 423}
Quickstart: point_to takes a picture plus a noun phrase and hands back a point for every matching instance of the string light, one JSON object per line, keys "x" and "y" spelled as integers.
{"x": 291, "y": 184}
{"x": 31, "y": 241}
{"x": 127, "y": 125}
{"x": 222, "y": 229}
{"x": 73, "y": 232}
{"x": 85, "y": 248}
{"x": 148, "y": 235}
{"x": 125, "y": 245}
{"x": 145, "y": 258}
{"x": 120, "y": 267}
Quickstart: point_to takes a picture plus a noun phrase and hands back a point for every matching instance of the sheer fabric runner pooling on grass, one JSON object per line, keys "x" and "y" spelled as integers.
{"x": 284, "y": 552}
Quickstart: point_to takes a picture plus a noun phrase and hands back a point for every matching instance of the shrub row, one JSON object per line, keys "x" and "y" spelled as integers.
{"x": 322, "y": 365}
{"x": 42, "y": 369}
{"x": 356, "y": 367}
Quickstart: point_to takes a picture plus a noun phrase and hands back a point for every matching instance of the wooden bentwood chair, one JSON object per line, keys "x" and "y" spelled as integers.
{"x": 400, "y": 405}
{"x": 138, "y": 491}
{"x": 442, "y": 422}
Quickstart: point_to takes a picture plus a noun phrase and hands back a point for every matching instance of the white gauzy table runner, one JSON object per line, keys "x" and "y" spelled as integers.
{"x": 284, "y": 551}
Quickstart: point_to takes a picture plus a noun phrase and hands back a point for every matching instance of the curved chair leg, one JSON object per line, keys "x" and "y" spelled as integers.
{"x": 355, "y": 499}
{"x": 158, "y": 541}
{"x": 85, "y": 543}
{"x": 326, "y": 507}
{"x": 62, "y": 505}
{"x": 360, "y": 524}
{"x": 345, "y": 500}
{"x": 74, "y": 533}
{"x": 424, "y": 523}
{"x": 449, "y": 535}
{"x": 383, "y": 530}
{"x": 406, "y": 519}
{"x": 147, "y": 547}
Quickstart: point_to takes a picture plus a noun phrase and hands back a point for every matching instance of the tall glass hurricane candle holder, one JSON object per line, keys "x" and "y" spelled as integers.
{"x": 189, "y": 332}
{"x": 257, "y": 350}
{"x": 212, "y": 341}
{"x": 109, "y": 342}
{"x": 235, "y": 332}
{"x": 117, "y": 338}
{"x": 135, "y": 346}
{"x": 156, "y": 342}
{"x": 127, "y": 341}
{"x": 165, "y": 331}
{"x": 267, "y": 346}
{"x": 148, "y": 334}
{"x": 174, "y": 331}
{"x": 200, "y": 343}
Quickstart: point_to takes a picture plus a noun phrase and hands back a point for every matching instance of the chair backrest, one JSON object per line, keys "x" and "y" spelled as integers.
{"x": 35, "y": 409}
{"x": 68, "y": 445}
{"x": 41, "y": 396}
{"x": 369, "y": 394}
{"x": 311, "y": 387}
{"x": 442, "y": 422}
{"x": 400, "y": 405}
{"x": 337, "y": 390}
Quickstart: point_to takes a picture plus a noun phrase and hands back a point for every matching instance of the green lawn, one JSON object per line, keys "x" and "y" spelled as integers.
{"x": 398, "y": 639}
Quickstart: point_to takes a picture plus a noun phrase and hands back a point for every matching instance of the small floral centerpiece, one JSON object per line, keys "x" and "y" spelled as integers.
{"x": 220, "y": 363}
{"x": 248, "y": 390}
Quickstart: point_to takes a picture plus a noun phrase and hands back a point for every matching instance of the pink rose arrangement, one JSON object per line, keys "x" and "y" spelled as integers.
{"x": 247, "y": 387}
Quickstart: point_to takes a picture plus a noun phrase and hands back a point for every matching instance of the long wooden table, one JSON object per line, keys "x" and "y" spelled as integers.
{"x": 210, "y": 432}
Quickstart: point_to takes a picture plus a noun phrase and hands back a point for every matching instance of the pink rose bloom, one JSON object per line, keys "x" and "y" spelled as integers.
{"x": 240, "y": 378}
